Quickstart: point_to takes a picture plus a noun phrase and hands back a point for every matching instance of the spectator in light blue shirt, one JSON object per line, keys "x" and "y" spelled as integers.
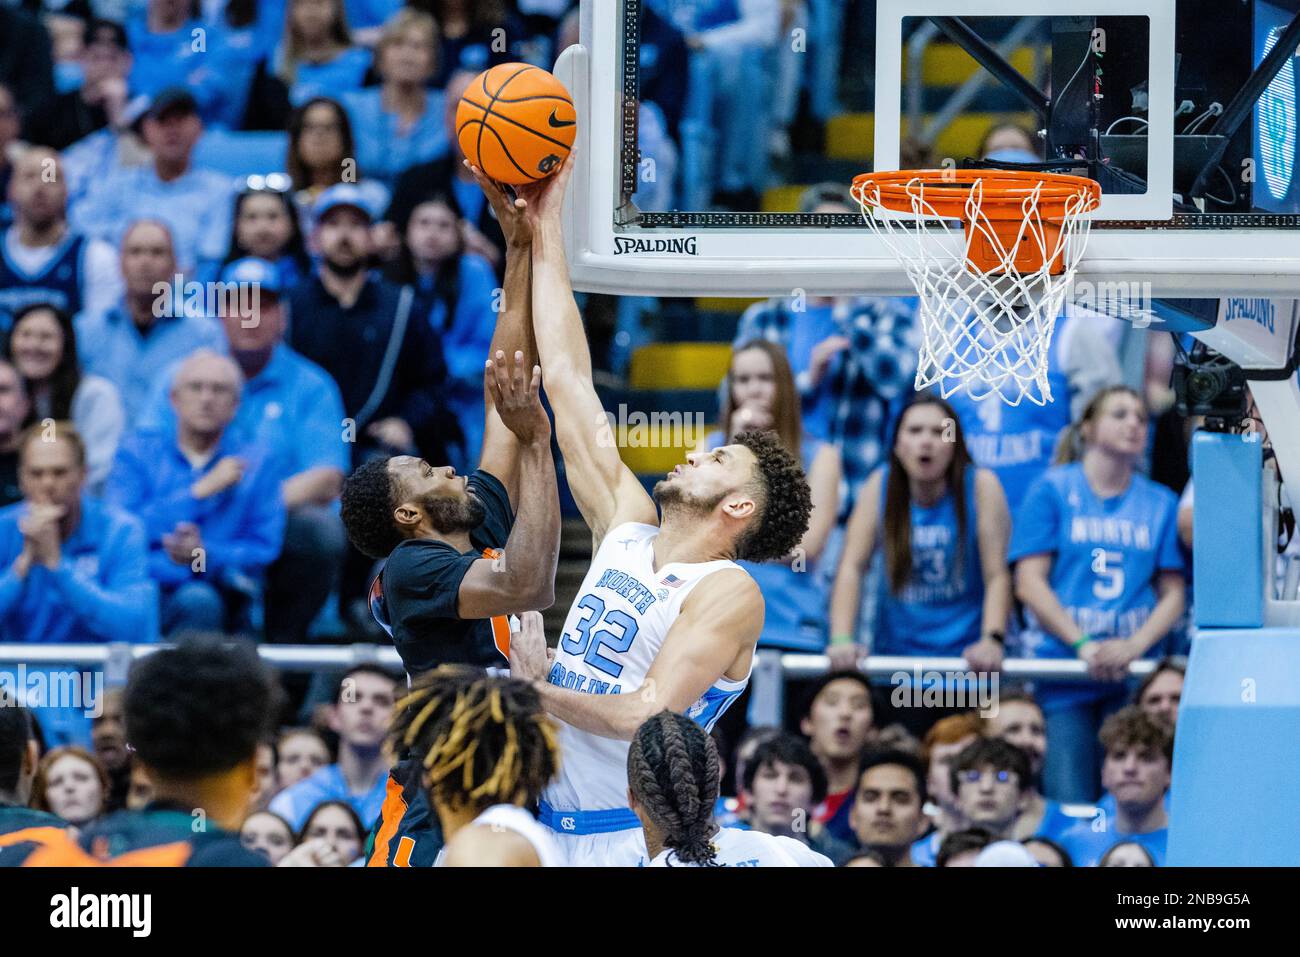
{"x": 210, "y": 502}
{"x": 1137, "y": 770}
{"x": 362, "y": 710}
{"x": 399, "y": 123}
{"x": 291, "y": 408}
{"x": 169, "y": 49}
{"x": 130, "y": 344}
{"x": 72, "y": 569}
{"x": 316, "y": 56}
{"x": 195, "y": 203}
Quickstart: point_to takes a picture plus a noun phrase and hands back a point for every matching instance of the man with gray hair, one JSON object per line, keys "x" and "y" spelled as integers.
{"x": 210, "y": 502}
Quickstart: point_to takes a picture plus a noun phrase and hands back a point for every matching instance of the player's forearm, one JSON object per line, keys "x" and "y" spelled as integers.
{"x": 514, "y": 328}
{"x": 608, "y": 715}
{"x": 533, "y": 549}
{"x": 561, "y": 338}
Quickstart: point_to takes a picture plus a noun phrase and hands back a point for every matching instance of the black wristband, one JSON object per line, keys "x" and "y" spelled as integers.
{"x": 997, "y": 636}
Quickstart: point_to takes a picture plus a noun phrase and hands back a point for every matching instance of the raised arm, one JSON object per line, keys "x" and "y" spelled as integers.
{"x": 514, "y": 328}
{"x": 715, "y": 633}
{"x": 605, "y": 489}
{"x": 523, "y": 579}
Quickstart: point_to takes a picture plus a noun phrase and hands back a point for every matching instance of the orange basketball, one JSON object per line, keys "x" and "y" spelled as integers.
{"x": 516, "y": 123}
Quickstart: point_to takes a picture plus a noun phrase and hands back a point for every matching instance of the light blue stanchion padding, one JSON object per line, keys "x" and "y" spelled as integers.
{"x": 1236, "y": 790}
{"x": 1228, "y": 553}
{"x": 1237, "y": 752}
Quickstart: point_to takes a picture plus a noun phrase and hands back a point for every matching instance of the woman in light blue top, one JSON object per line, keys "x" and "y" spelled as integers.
{"x": 400, "y": 123}
{"x": 43, "y": 348}
{"x": 317, "y": 56}
{"x": 943, "y": 526}
{"x": 759, "y": 393}
{"x": 1101, "y": 576}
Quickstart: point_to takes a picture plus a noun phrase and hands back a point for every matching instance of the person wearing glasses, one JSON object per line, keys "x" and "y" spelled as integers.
{"x": 991, "y": 779}
{"x": 321, "y": 154}
{"x": 266, "y": 226}
{"x": 209, "y": 500}
{"x": 291, "y": 408}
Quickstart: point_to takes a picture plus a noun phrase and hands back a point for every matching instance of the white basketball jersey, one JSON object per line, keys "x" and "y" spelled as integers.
{"x": 611, "y": 638}
{"x": 740, "y": 848}
{"x": 511, "y": 817}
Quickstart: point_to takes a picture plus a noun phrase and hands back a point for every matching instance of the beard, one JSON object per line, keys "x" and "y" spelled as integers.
{"x": 454, "y": 515}
{"x": 674, "y": 498}
{"x": 346, "y": 269}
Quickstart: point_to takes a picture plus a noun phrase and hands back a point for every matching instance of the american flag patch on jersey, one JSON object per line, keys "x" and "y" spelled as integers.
{"x": 672, "y": 581}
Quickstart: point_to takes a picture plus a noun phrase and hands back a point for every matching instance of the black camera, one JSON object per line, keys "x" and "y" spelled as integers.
{"x": 1209, "y": 384}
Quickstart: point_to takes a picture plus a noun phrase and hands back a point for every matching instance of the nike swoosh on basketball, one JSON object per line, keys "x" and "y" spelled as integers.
{"x": 558, "y": 123}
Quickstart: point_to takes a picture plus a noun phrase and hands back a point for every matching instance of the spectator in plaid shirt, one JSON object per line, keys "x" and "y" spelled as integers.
{"x": 853, "y": 358}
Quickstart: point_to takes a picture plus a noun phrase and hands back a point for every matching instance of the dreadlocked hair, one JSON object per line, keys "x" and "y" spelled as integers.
{"x": 482, "y": 740}
{"x": 674, "y": 773}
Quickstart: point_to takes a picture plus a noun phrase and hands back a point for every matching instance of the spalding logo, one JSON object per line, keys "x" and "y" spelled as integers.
{"x": 683, "y": 245}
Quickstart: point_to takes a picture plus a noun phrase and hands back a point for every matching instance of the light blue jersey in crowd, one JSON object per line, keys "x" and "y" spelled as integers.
{"x": 1088, "y": 841}
{"x": 1105, "y": 553}
{"x": 1016, "y": 442}
{"x": 939, "y": 611}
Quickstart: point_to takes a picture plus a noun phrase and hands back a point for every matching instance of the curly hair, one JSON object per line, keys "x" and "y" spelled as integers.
{"x": 1131, "y": 727}
{"x": 673, "y": 772}
{"x": 785, "y": 500}
{"x": 482, "y": 740}
{"x": 366, "y": 507}
{"x": 201, "y": 707}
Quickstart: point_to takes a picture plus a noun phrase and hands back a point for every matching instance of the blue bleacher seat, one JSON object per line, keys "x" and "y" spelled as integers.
{"x": 242, "y": 154}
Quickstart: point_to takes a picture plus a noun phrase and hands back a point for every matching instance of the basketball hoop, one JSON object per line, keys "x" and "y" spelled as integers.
{"x": 988, "y": 307}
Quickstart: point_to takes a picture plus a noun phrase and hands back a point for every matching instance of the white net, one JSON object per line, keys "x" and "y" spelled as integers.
{"x": 988, "y": 330}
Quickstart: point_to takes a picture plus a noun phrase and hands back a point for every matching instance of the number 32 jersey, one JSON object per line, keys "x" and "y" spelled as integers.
{"x": 611, "y": 638}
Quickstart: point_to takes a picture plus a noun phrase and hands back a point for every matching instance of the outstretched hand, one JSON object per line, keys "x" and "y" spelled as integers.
{"x": 544, "y": 199}
{"x": 517, "y": 399}
{"x": 509, "y": 210}
{"x": 530, "y": 659}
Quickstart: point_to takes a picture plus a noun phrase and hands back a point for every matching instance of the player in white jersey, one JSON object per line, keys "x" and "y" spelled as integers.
{"x": 673, "y": 774}
{"x": 665, "y": 619}
{"x": 487, "y": 750}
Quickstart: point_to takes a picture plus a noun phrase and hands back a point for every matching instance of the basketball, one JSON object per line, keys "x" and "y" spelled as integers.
{"x": 516, "y": 123}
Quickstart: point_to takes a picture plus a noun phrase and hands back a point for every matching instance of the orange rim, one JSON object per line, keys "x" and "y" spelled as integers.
{"x": 1004, "y": 191}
